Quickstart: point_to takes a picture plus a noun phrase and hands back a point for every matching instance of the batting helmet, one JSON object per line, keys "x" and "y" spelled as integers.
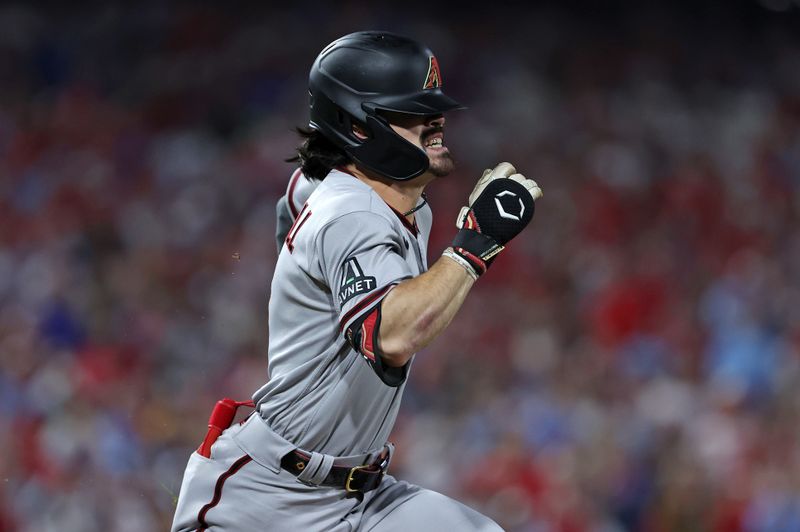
{"x": 364, "y": 72}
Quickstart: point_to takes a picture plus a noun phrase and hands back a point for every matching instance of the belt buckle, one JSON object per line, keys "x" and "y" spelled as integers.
{"x": 381, "y": 467}
{"x": 347, "y": 487}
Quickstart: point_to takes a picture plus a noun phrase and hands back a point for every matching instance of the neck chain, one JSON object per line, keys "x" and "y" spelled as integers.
{"x": 418, "y": 207}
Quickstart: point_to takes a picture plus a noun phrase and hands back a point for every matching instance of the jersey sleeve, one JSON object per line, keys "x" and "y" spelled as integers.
{"x": 283, "y": 222}
{"x": 361, "y": 257}
{"x": 298, "y": 190}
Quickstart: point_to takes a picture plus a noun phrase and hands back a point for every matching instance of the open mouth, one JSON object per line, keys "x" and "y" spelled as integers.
{"x": 434, "y": 141}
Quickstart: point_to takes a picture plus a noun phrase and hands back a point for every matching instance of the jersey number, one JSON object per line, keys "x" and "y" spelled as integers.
{"x": 298, "y": 223}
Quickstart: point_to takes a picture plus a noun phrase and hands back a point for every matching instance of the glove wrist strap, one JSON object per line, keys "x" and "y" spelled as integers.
{"x": 477, "y": 249}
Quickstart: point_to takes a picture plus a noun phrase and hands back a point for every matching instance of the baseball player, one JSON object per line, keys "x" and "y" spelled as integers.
{"x": 352, "y": 301}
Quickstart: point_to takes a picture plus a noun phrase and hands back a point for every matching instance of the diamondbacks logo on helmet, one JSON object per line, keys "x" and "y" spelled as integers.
{"x": 434, "y": 77}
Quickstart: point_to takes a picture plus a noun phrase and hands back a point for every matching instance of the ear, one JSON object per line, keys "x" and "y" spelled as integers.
{"x": 360, "y": 132}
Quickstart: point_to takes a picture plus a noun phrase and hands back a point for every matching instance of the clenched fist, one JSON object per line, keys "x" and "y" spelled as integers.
{"x": 500, "y": 206}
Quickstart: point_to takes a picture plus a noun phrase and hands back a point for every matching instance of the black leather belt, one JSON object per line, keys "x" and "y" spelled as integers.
{"x": 358, "y": 479}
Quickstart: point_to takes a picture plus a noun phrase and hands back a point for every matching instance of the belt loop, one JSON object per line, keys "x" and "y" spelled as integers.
{"x": 317, "y": 468}
{"x": 388, "y": 448}
{"x": 390, "y": 452}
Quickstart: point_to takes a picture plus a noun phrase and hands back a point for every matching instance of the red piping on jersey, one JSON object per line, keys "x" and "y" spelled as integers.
{"x": 299, "y": 221}
{"x": 364, "y": 303}
{"x": 408, "y": 225}
{"x": 237, "y": 465}
{"x": 290, "y": 193}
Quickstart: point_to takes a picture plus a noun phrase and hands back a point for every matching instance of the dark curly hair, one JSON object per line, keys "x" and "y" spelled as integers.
{"x": 317, "y": 155}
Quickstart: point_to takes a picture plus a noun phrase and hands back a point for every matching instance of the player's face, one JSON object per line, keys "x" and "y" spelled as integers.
{"x": 427, "y": 132}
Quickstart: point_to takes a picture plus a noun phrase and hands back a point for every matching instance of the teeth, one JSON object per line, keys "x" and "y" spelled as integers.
{"x": 434, "y": 143}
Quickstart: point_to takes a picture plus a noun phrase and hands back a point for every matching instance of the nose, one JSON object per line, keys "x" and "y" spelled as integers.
{"x": 435, "y": 121}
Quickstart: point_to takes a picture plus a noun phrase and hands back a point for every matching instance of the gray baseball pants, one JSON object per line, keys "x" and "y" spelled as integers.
{"x": 242, "y": 487}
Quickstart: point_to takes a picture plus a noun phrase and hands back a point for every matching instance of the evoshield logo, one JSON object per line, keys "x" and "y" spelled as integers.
{"x": 505, "y": 214}
{"x": 354, "y": 281}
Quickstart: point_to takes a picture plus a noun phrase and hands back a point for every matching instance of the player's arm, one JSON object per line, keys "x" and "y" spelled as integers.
{"x": 417, "y": 310}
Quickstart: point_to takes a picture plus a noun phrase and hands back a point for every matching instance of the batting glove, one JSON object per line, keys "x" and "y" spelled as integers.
{"x": 500, "y": 206}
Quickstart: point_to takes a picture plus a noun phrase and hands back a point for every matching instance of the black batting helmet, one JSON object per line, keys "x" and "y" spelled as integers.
{"x": 364, "y": 72}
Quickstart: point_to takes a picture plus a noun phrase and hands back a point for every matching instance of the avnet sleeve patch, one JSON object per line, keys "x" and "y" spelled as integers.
{"x": 358, "y": 264}
{"x": 354, "y": 282}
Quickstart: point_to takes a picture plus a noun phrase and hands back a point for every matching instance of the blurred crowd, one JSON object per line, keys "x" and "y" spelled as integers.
{"x": 631, "y": 362}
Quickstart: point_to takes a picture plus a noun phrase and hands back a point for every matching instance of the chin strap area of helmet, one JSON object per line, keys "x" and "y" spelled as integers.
{"x": 387, "y": 153}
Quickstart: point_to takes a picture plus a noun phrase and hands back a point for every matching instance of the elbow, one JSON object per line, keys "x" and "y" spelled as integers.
{"x": 396, "y": 352}
{"x": 398, "y": 348}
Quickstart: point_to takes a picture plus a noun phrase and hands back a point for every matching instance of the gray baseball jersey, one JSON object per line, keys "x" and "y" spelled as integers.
{"x": 328, "y": 392}
{"x": 298, "y": 190}
{"x": 327, "y": 389}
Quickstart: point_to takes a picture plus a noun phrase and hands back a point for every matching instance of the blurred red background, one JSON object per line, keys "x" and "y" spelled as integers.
{"x": 630, "y": 363}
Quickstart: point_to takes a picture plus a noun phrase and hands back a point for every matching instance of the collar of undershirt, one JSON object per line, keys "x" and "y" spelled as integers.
{"x": 412, "y": 227}
{"x": 409, "y": 225}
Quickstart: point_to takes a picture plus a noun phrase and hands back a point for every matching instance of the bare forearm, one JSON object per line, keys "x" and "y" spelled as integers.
{"x": 417, "y": 310}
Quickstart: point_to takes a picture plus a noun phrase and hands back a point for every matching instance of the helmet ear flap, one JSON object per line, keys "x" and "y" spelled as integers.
{"x": 333, "y": 121}
{"x": 388, "y": 153}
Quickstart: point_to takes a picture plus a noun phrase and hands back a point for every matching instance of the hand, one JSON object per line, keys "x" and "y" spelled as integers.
{"x": 500, "y": 206}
